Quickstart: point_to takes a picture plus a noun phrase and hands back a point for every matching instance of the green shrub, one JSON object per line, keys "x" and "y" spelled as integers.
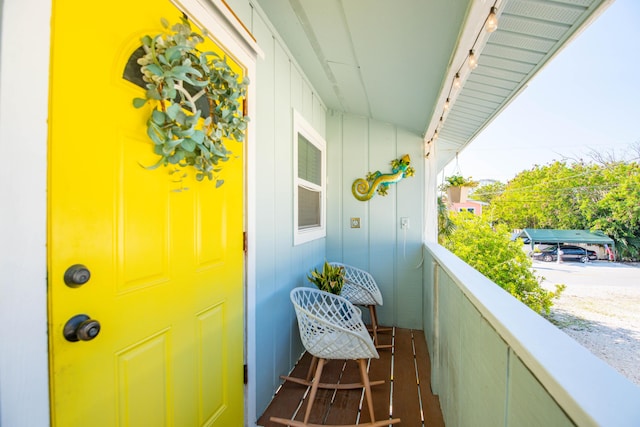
{"x": 492, "y": 253}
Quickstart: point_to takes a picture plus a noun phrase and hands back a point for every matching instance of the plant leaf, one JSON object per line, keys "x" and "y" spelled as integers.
{"x": 153, "y": 166}
{"x": 173, "y": 53}
{"x": 198, "y": 136}
{"x": 173, "y": 111}
{"x": 139, "y": 102}
{"x": 173, "y": 143}
{"x": 176, "y": 158}
{"x": 152, "y": 93}
{"x": 188, "y": 144}
{"x": 181, "y": 117}
{"x": 158, "y": 117}
{"x": 156, "y": 134}
{"x": 154, "y": 69}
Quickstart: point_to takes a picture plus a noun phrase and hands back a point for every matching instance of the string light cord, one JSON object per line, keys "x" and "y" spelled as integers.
{"x": 490, "y": 25}
{"x": 562, "y": 189}
{"x": 577, "y": 175}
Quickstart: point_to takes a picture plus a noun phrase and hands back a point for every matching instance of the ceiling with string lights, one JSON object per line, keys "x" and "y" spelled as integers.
{"x": 397, "y": 61}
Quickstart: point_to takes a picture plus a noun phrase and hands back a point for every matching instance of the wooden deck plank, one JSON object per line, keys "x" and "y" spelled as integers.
{"x": 430, "y": 402}
{"x": 341, "y": 407}
{"x": 322, "y": 404}
{"x": 406, "y": 404}
{"x": 344, "y": 409}
{"x": 380, "y": 369}
{"x": 288, "y": 397}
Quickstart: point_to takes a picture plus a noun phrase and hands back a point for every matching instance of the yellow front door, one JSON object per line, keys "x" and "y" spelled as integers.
{"x": 165, "y": 258}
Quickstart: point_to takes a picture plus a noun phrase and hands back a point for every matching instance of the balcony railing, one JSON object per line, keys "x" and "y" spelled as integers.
{"x": 496, "y": 362}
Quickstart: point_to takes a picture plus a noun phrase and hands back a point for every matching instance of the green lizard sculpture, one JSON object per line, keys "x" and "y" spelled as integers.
{"x": 365, "y": 189}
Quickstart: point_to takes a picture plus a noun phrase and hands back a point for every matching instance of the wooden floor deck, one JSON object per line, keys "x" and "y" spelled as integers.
{"x": 406, "y": 393}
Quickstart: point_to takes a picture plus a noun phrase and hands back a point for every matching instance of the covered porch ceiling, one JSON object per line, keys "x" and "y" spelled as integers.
{"x": 395, "y": 61}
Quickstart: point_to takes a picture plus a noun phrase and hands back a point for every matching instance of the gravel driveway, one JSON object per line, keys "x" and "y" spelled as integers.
{"x": 600, "y": 308}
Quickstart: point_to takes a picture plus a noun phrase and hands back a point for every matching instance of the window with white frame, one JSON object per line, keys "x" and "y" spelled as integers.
{"x": 309, "y": 158}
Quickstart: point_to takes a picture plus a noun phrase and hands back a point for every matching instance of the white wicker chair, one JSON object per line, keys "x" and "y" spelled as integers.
{"x": 360, "y": 288}
{"x": 331, "y": 328}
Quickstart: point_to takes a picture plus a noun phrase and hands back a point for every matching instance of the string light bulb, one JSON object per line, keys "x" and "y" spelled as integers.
{"x": 456, "y": 81}
{"x": 473, "y": 60}
{"x": 490, "y": 25}
{"x": 492, "y": 20}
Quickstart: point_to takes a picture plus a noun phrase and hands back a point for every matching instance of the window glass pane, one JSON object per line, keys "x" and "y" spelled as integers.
{"x": 132, "y": 69}
{"x": 308, "y": 208}
{"x": 309, "y": 161}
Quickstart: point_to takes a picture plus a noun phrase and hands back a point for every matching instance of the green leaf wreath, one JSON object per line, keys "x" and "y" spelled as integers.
{"x": 177, "y": 76}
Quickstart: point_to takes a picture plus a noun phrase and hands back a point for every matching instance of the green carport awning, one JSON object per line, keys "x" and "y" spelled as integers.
{"x": 539, "y": 235}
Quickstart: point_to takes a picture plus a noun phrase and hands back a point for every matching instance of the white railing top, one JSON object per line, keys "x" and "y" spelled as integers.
{"x": 590, "y": 391}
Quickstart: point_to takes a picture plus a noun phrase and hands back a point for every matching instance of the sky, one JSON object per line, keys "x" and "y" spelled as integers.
{"x": 587, "y": 98}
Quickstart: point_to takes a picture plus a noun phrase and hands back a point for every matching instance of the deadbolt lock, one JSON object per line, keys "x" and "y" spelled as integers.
{"x": 76, "y": 275}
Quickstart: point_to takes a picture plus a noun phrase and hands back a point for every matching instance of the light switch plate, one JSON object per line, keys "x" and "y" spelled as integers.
{"x": 404, "y": 223}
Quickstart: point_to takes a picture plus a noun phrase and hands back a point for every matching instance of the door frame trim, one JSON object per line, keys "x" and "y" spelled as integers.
{"x": 25, "y": 46}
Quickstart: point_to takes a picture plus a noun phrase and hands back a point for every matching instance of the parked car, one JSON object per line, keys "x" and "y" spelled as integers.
{"x": 569, "y": 252}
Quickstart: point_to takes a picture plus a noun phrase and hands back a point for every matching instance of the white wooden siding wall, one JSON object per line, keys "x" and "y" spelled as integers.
{"x": 280, "y": 266}
{"x": 357, "y": 145}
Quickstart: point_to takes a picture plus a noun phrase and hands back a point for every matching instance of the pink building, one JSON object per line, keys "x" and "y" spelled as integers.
{"x": 473, "y": 206}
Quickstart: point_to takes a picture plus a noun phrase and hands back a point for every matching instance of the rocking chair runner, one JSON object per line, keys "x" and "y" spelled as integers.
{"x": 360, "y": 288}
{"x": 331, "y": 328}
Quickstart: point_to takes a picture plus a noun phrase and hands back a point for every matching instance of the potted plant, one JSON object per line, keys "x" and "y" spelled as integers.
{"x": 457, "y": 188}
{"x": 330, "y": 279}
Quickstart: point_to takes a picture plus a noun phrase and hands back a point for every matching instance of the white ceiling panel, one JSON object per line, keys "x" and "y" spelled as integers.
{"x": 355, "y": 97}
{"x": 394, "y": 61}
{"x": 336, "y": 44}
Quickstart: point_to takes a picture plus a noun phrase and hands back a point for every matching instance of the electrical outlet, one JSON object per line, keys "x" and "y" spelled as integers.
{"x": 355, "y": 222}
{"x": 404, "y": 223}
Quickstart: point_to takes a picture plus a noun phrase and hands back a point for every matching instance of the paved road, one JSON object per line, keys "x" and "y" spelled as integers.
{"x": 600, "y": 308}
{"x": 591, "y": 274}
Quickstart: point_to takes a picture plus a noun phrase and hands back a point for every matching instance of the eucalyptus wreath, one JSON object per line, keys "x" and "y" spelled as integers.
{"x": 179, "y": 78}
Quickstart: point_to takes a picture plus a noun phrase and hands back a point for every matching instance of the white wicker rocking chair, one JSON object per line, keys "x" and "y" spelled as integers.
{"x": 331, "y": 328}
{"x": 360, "y": 288}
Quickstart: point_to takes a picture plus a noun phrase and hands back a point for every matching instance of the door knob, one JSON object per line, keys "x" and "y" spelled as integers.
{"x": 76, "y": 275}
{"x": 81, "y": 328}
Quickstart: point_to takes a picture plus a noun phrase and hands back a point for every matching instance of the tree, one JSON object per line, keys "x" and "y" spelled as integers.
{"x": 603, "y": 196}
{"x": 493, "y": 254}
{"x": 544, "y": 197}
{"x": 617, "y": 212}
{"x": 445, "y": 224}
{"x": 488, "y": 192}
